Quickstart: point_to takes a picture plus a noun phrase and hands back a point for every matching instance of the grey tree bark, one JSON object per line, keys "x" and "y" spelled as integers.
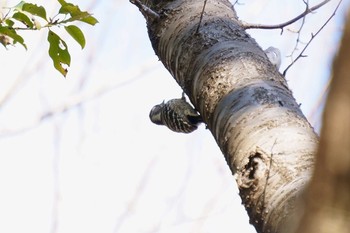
{"x": 246, "y": 103}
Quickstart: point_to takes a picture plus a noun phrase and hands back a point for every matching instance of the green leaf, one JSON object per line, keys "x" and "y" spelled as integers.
{"x": 62, "y": 2}
{"x": 19, "y": 6}
{"x": 69, "y": 8}
{"x": 76, "y": 14}
{"x": 12, "y": 34}
{"x": 84, "y": 17}
{"x": 90, "y": 20}
{"x": 23, "y": 18}
{"x": 77, "y": 34}
{"x": 9, "y": 22}
{"x": 58, "y": 52}
{"x": 35, "y": 10}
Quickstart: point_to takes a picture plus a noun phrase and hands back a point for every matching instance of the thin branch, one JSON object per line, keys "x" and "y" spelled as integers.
{"x": 147, "y": 12}
{"x": 282, "y": 25}
{"x": 268, "y": 175}
{"x": 74, "y": 102}
{"x": 200, "y": 19}
{"x": 299, "y": 31}
{"x": 236, "y": 3}
{"x": 312, "y": 37}
{"x": 56, "y": 178}
{"x": 135, "y": 198}
{"x": 24, "y": 75}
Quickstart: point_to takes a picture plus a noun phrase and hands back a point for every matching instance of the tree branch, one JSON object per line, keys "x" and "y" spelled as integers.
{"x": 282, "y": 25}
{"x": 330, "y": 211}
{"x": 200, "y": 19}
{"x": 245, "y": 103}
{"x": 299, "y": 32}
{"x": 147, "y": 12}
{"x": 74, "y": 101}
{"x": 312, "y": 37}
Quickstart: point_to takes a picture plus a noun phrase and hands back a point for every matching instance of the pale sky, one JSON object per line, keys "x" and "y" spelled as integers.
{"x": 98, "y": 165}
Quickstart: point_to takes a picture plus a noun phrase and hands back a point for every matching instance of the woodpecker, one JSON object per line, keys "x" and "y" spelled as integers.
{"x": 274, "y": 55}
{"x": 176, "y": 114}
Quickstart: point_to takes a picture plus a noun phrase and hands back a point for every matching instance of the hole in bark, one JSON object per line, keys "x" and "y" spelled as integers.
{"x": 252, "y": 165}
{"x": 250, "y": 174}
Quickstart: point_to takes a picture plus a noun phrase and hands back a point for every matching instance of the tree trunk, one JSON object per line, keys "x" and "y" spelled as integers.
{"x": 327, "y": 205}
{"x": 245, "y": 102}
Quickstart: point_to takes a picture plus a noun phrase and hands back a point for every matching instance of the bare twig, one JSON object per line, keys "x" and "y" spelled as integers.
{"x": 135, "y": 198}
{"x": 74, "y": 102}
{"x": 237, "y": 3}
{"x": 282, "y": 25}
{"x": 268, "y": 175}
{"x": 56, "y": 178}
{"x": 299, "y": 31}
{"x": 312, "y": 37}
{"x": 23, "y": 76}
{"x": 147, "y": 12}
{"x": 200, "y": 19}
{"x": 202, "y": 13}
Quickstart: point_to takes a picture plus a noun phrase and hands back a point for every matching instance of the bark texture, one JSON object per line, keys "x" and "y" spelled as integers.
{"x": 327, "y": 206}
{"x": 246, "y": 103}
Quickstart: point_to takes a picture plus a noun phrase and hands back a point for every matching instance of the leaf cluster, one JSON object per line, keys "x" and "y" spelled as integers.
{"x": 28, "y": 16}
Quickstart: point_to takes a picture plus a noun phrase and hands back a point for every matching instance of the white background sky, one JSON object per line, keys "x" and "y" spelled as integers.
{"x": 102, "y": 166}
